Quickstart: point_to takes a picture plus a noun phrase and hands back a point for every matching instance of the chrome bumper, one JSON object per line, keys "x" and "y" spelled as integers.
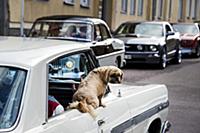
{"x": 166, "y": 126}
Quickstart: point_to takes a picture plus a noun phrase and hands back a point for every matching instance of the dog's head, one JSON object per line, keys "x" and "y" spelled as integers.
{"x": 110, "y": 74}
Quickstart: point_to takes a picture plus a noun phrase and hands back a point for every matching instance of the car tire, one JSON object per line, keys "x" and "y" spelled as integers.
{"x": 163, "y": 59}
{"x": 178, "y": 56}
{"x": 197, "y": 51}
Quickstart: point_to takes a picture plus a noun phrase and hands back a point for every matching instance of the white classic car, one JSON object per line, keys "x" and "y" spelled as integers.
{"x": 31, "y": 70}
{"x": 87, "y": 30}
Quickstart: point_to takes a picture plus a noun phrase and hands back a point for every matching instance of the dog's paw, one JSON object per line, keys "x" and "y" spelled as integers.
{"x": 102, "y": 105}
{"x": 73, "y": 105}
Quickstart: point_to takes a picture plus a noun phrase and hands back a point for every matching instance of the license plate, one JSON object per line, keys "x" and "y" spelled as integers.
{"x": 128, "y": 57}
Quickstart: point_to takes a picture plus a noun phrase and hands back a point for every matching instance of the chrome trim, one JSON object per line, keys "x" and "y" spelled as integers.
{"x": 128, "y": 52}
{"x": 139, "y": 118}
{"x": 165, "y": 127}
{"x": 171, "y": 52}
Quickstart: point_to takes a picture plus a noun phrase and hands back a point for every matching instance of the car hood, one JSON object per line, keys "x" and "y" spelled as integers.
{"x": 188, "y": 36}
{"x": 143, "y": 40}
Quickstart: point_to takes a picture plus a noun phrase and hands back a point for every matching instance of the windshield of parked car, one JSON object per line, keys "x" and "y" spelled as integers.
{"x": 72, "y": 67}
{"x": 126, "y": 28}
{"x": 69, "y": 30}
{"x": 12, "y": 82}
{"x": 149, "y": 29}
{"x": 186, "y": 28}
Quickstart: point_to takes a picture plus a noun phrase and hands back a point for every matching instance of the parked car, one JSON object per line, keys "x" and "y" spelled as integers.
{"x": 33, "y": 69}
{"x": 190, "y": 37}
{"x": 109, "y": 51}
{"x": 150, "y": 42}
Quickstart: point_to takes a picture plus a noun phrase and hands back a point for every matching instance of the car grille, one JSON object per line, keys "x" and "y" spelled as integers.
{"x": 134, "y": 48}
{"x": 186, "y": 43}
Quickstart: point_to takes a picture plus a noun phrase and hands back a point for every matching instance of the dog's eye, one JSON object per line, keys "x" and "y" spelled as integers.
{"x": 113, "y": 75}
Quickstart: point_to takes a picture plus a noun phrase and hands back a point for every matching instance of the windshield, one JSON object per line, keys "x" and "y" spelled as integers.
{"x": 12, "y": 82}
{"x": 126, "y": 28}
{"x": 149, "y": 29}
{"x": 62, "y": 30}
{"x": 186, "y": 28}
{"x": 72, "y": 67}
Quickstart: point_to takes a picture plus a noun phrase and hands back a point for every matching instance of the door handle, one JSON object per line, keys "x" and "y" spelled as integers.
{"x": 100, "y": 122}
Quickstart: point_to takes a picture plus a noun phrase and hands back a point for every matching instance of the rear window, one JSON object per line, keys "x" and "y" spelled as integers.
{"x": 12, "y": 81}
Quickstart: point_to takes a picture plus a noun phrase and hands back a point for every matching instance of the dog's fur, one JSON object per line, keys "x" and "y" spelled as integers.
{"x": 91, "y": 89}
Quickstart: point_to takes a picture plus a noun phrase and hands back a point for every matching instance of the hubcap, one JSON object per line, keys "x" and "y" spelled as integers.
{"x": 164, "y": 60}
{"x": 179, "y": 56}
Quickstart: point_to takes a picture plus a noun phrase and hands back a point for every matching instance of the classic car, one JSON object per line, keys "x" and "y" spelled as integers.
{"x": 190, "y": 37}
{"x": 87, "y": 30}
{"x": 150, "y": 42}
{"x": 31, "y": 70}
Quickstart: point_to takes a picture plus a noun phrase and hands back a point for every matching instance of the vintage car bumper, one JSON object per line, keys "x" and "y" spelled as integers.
{"x": 142, "y": 57}
{"x": 187, "y": 50}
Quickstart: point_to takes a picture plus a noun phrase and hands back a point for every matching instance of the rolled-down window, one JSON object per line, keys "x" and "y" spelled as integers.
{"x": 12, "y": 81}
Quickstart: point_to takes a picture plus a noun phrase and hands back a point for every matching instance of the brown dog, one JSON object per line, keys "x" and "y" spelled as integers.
{"x": 91, "y": 89}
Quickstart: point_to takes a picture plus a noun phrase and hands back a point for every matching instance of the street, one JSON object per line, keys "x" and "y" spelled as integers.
{"x": 183, "y": 83}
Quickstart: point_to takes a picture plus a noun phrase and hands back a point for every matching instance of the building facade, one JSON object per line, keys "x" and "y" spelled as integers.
{"x": 114, "y": 12}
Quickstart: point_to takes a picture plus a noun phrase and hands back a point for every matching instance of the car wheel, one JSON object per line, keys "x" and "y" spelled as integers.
{"x": 197, "y": 51}
{"x": 163, "y": 59}
{"x": 178, "y": 56}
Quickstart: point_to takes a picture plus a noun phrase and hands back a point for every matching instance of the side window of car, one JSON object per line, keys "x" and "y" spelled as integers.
{"x": 97, "y": 33}
{"x": 64, "y": 75}
{"x": 104, "y": 32}
{"x": 168, "y": 29}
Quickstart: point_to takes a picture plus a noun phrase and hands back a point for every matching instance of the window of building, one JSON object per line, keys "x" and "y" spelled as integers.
{"x": 188, "y": 8}
{"x": 154, "y": 3}
{"x": 160, "y": 7}
{"x": 132, "y": 7}
{"x": 140, "y": 8}
{"x": 124, "y": 6}
{"x": 85, "y": 3}
{"x": 170, "y": 9}
{"x": 68, "y": 2}
{"x": 194, "y": 9}
{"x": 180, "y": 9}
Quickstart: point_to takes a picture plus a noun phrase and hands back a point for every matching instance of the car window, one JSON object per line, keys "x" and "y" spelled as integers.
{"x": 126, "y": 28}
{"x": 68, "y": 30}
{"x": 168, "y": 29}
{"x": 149, "y": 29}
{"x": 12, "y": 81}
{"x": 104, "y": 32}
{"x": 97, "y": 33}
{"x": 65, "y": 73}
{"x": 186, "y": 28}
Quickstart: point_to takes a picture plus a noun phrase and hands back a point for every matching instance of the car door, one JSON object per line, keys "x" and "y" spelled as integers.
{"x": 112, "y": 118}
{"x": 103, "y": 48}
{"x": 170, "y": 41}
{"x": 61, "y": 86}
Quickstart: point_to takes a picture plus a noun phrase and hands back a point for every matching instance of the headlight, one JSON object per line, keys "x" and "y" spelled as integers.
{"x": 140, "y": 47}
{"x": 153, "y": 48}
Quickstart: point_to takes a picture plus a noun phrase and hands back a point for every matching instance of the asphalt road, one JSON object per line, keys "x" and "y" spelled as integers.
{"x": 183, "y": 83}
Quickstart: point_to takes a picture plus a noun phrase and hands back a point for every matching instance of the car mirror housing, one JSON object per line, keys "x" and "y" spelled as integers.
{"x": 169, "y": 34}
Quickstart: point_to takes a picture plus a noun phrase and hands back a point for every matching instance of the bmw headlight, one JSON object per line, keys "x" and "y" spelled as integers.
{"x": 140, "y": 47}
{"x": 153, "y": 48}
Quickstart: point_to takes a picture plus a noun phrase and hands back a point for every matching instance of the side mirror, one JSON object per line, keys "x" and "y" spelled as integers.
{"x": 169, "y": 34}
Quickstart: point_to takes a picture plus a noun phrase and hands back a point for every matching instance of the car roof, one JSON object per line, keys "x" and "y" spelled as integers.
{"x": 86, "y": 19}
{"x": 157, "y": 22}
{"x": 28, "y": 52}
